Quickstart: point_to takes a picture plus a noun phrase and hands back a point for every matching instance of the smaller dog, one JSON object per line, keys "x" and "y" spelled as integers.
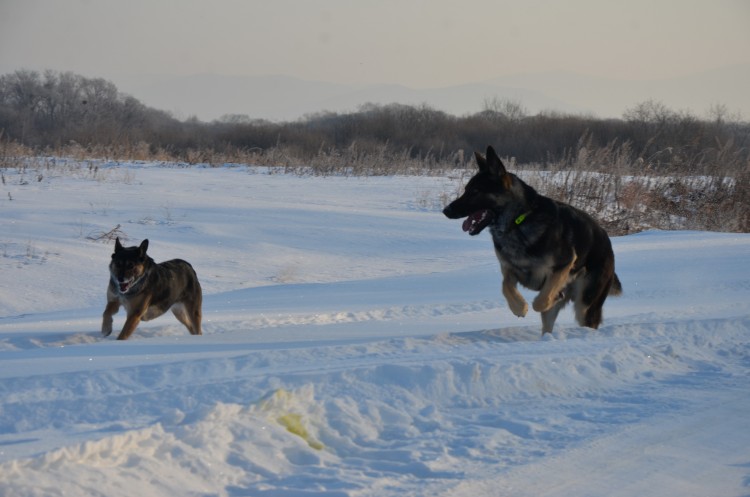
{"x": 545, "y": 245}
{"x": 147, "y": 290}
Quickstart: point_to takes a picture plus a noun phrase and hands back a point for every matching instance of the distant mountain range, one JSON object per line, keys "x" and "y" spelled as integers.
{"x": 285, "y": 98}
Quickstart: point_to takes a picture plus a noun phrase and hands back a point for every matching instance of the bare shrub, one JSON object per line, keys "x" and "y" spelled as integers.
{"x": 107, "y": 236}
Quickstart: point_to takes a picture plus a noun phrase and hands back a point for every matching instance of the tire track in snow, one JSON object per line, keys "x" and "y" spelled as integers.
{"x": 404, "y": 312}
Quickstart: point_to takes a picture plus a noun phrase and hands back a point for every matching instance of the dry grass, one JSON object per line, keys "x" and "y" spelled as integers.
{"x": 625, "y": 192}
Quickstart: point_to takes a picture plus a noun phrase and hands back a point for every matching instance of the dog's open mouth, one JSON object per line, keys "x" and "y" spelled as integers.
{"x": 476, "y": 222}
{"x": 125, "y": 285}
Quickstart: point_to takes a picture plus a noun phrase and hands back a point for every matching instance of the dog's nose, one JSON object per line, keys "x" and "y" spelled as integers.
{"x": 448, "y": 212}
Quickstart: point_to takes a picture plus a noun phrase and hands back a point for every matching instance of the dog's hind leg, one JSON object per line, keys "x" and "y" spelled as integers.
{"x": 183, "y": 316}
{"x": 188, "y": 315}
{"x": 197, "y": 317}
{"x": 197, "y": 313}
{"x": 589, "y": 304}
{"x": 593, "y": 315}
{"x": 516, "y": 302}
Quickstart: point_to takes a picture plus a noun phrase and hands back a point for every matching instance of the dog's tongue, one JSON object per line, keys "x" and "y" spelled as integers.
{"x": 124, "y": 285}
{"x": 477, "y": 221}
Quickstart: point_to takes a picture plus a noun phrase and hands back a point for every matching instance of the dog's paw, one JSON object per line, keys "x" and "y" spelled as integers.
{"x": 519, "y": 308}
{"x": 106, "y": 331}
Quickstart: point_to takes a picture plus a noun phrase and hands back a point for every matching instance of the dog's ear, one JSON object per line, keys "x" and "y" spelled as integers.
{"x": 118, "y": 245}
{"x": 481, "y": 162}
{"x": 143, "y": 248}
{"x": 494, "y": 164}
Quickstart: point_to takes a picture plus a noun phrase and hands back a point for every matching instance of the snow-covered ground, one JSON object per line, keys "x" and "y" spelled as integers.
{"x": 355, "y": 343}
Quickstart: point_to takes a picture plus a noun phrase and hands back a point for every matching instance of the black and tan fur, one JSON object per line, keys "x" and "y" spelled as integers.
{"x": 545, "y": 245}
{"x": 147, "y": 290}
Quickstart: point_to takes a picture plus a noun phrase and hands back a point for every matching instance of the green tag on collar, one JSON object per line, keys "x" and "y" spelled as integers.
{"x": 522, "y": 218}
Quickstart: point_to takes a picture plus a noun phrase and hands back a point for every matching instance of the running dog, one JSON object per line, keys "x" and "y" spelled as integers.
{"x": 545, "y": 245}
{"x": 147, "y": 290}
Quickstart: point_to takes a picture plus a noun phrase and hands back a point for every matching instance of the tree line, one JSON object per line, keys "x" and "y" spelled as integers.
{"x": 50, "y": 110}
{"x": 652, "y": 168}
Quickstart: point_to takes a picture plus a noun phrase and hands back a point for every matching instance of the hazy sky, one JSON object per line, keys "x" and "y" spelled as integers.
{"x": 421, "y": 43}
{"x": 148, "y": 48}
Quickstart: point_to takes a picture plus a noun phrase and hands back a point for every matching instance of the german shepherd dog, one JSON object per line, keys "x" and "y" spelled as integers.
{"x": 147, "y": 290}
{"x": 545, "y": 245}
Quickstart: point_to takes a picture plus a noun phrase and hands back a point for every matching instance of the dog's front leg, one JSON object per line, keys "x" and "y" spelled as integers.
{"x": 137, "y": 308}
{"x": 550, "y": 292}
{"x": 516, "y": 302}
{"x": 112, "y": 307}
{"x": 131, "y": 323}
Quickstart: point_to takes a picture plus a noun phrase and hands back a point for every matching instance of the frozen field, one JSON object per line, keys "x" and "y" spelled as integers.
{"x": 355, "y": 343}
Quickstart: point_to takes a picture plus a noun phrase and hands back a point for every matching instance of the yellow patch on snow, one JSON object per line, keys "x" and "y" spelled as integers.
{"x": 293, "y": 423}
{"x": 279, "y": 403}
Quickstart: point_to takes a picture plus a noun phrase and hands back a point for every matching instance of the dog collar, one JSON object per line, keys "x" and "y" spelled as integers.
{"x": 521, "y": 218}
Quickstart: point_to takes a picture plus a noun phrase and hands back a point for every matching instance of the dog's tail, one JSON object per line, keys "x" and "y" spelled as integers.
{"x": 616, "y": 288}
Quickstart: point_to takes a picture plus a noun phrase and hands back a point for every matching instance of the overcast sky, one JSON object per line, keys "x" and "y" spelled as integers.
{"x": 418, "y": 43}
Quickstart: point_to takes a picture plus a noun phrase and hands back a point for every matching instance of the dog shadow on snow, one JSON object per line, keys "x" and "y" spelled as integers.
{"x": 28, "y": 340}
{"x": 515, "y": 334}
